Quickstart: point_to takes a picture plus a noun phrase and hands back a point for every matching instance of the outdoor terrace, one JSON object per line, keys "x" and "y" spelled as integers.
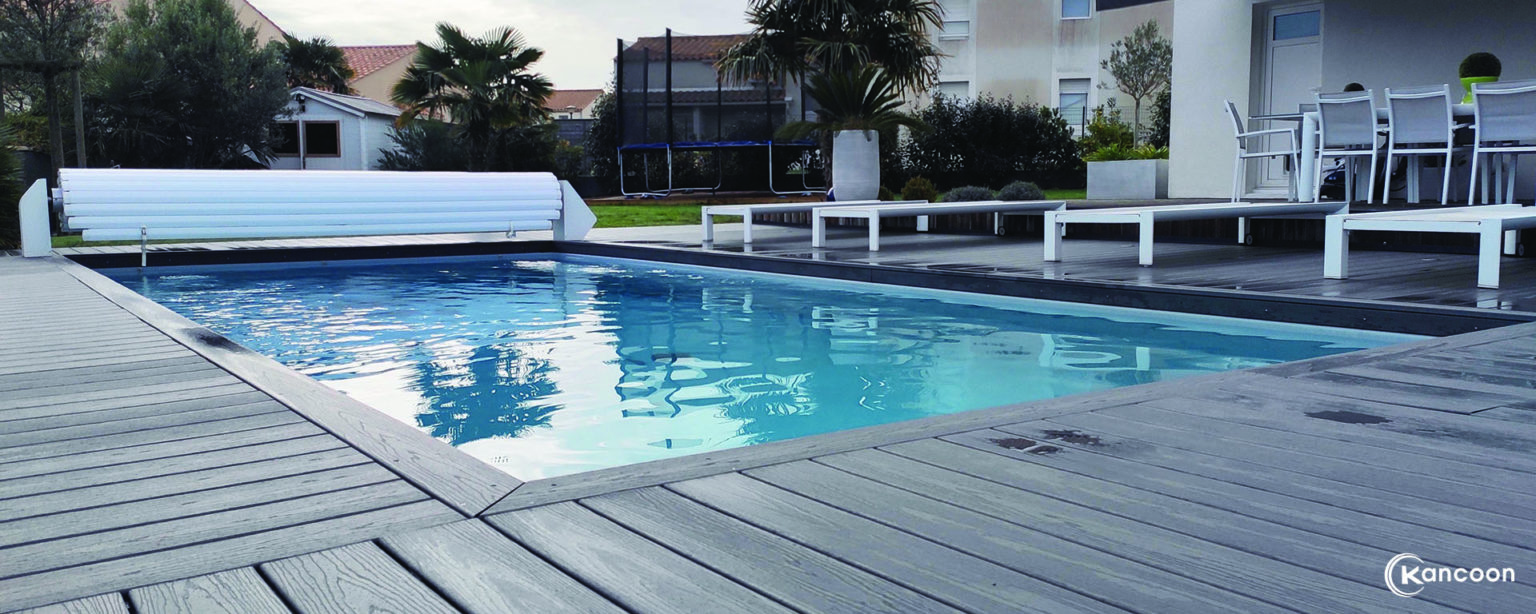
{"x": 145, "y": 460}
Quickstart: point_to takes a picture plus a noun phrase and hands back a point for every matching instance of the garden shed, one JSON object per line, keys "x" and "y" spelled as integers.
{"x": 329, "y": 131}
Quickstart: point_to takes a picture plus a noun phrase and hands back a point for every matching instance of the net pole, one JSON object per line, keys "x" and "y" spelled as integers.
{"x": 670, "y": 135}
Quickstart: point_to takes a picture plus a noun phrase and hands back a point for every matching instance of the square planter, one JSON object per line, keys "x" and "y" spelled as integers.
{"x": 1128, "y": 180}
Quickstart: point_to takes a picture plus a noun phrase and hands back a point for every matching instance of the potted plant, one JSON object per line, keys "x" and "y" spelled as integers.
{"x": 1480, "y": 67}
{"x": 1117, "y": 172}
{"x": 855, "y": 107}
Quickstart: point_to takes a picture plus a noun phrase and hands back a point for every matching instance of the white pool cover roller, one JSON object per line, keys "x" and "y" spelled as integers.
{"x": 134, "y": 204}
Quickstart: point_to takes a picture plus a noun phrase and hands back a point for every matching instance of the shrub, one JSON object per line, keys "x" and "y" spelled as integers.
{"x": 1481, "y": 64}
{"x": 970, "y": 193}
{"x": 886, "y": 194}
{"x": 430, "y": 145}
{"x": 1020, "y": 190}
{"x": 918, "y": 188}
{"x": 1106, "y": 129}
{"x": 992, "y": 142}
{"x": 1162, "y": 109}
{"x": 10, "y": 191}
{"x": 1117, "y": 152}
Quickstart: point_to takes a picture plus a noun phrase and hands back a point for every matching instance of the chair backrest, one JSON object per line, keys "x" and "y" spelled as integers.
{"x": 1506, "y": 111}
{"x": 1347, "y": 119}
{"x": 1237, "y": 121}
{"x": 120, "y": 204}
{"x": 1420, "y": 115}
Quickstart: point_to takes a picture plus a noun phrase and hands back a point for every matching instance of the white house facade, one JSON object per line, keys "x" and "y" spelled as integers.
{"x": 327, "y": 131}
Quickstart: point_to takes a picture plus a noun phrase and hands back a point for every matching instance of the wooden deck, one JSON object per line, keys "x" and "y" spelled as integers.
{"x": 144, "y": 463}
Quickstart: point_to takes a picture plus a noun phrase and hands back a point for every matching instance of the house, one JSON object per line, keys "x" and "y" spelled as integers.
{"x": 377, "y": 68}
{"x": 1269, "y": 56}
{"x": 1043, "y": 51}
{"x": 266, "y": 30}
{"x": 704, "y": 106}
{"x": 572, "y": 104}
{"x": 329, "y": 131}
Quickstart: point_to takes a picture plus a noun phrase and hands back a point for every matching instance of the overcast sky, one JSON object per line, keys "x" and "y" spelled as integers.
{"x": 577, "y": 36}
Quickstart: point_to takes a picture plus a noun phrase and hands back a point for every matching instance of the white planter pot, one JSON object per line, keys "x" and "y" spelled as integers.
{"x": 1128, "y": 180}
{"x": 856, "y": 165}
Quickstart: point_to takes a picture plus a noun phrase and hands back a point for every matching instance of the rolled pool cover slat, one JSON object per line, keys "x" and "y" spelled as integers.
{"x": 278, "y": 232}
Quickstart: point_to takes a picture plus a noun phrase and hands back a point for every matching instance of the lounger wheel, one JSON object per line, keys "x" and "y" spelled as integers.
{"x": 1248, "y": 239}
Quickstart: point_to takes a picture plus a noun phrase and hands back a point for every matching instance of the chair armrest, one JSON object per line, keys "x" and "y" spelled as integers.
{"x": 1263, "y": 132}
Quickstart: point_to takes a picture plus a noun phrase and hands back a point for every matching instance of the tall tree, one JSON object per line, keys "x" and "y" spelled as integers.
{"x": 50, "y": 38}
{"x": 483, "y": 85}
{"x": 1142, "y": 65}
{"x": 316, "y": 63}
{"x": 801, "y": 37}
{"x": 182, "y": 84}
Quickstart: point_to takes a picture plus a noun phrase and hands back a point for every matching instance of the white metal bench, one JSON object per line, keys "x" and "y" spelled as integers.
{"x": 133, "y": 204}
{"x": 1490, "y": 223}
{"x": 1147, "y": 217}
{"x": 746, "y": 213}
{"x": 875, "y": 212}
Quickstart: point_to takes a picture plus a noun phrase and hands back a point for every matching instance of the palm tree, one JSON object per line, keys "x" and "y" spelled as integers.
{"x": 863, "y": 99}
{"x": 802, "y": 37}
{"x": 316, "y": 63}
{"x": 483, "y": 85}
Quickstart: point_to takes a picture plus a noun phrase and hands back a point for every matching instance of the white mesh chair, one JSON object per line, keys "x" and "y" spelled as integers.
{"x": 1505, "y": 126}
{"x": 1347, "y": 129}
{"x": 1421, "y": 125}
{"x": 1248, "y": 150}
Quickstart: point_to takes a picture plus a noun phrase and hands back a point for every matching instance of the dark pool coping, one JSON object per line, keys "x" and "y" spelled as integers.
{"x": 477, "y": 488}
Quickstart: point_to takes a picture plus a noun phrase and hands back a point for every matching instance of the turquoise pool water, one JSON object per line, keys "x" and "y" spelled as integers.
{"x": 550, "y": 365}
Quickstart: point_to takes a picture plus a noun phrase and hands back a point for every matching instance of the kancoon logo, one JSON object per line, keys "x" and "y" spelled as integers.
{"x": 1406, "y": 575}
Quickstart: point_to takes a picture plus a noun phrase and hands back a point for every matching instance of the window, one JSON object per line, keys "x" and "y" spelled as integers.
{"x": 1076, "y": 9}
{"x": 955, "y": 89}
{"x": 322, "y": 139}
{"x": 287, "y": 139}
{"x": 1073, "y": 101}
{"x": 957, "y": 19}
{"x": 956, "y": 30}
{"x": 1298, "y": 25}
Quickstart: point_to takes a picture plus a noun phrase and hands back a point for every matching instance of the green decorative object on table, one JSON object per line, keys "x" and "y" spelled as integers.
{"x": 1480, "y": 67}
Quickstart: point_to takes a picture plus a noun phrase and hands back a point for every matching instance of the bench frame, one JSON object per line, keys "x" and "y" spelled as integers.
{"x": 1147, "y": 217}
{"x": 873, "y": 213}
{"x": 1496, "y": 233}
{"x": 746, "y": 213}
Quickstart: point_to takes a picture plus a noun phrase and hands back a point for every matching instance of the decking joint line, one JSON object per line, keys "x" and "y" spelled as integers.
{"x": 162, "y": 458}
{"x": 146, "y": 444}
{"x": 3, "y": 447}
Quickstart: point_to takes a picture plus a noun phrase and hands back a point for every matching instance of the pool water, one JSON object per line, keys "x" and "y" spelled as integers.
{"x": 550, "y": 365}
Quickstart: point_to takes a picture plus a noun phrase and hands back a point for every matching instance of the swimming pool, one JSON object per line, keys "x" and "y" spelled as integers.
{"x": 547, "y": 365}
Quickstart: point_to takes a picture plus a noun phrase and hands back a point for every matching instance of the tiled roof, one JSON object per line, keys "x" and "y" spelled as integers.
{"x": 688, "y": 48}
{"x": 565, "y": 99}
{"x": 369, "y": 58}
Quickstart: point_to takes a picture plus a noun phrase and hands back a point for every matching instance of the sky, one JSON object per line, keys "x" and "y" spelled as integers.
{"x": 577, "y": 36}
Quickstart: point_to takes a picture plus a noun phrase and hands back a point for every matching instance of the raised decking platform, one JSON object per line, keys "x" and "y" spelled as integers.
{"x": 144, "y": 461}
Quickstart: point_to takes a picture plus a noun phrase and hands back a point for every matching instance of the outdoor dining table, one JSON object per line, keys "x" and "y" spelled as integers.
{"x": 1309, "y": 131}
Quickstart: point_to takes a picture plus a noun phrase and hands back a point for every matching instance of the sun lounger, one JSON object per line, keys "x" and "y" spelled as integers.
{"x": 874, "y": 213}
{"x": 1146, "y": 217}
{"x": 1490, "y": 223}
{"x": 747, "y": 212}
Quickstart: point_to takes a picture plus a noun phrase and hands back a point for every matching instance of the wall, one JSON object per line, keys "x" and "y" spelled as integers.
{"x": 379, "y": 83}
{"x": 266, "y": 31}
{"x": 351, "y": 144}
{"x": 1212, "y": 41}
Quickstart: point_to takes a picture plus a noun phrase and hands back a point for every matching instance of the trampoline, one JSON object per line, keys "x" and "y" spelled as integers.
{"x": 683, "y": 129}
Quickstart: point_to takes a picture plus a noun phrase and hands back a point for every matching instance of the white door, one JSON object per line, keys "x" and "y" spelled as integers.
{"x": 1293, "y": 73}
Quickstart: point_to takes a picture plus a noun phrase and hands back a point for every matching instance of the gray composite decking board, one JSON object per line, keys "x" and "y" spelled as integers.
{"x": 115, "y": 358}
{"x": 1425, "y": 396}
{"x": 107, "y": 469}
{"x": 1460, "y": 441}
{"x": 41, "y": 452}
{"x": 90, "y": 375}
{"x": 1037, "y": 496}
{"x": 482, "y": 571}
{"x": 70, "y": 343}
{"x": 1414, "y": 372}
{"x": 626, "y": 568}
{"x": 800, "y": 577}
{"x": 123, "y": 394}
{"x": 237, "y": 591}
{"x": 466, "y": 483}
{"x": 1064, "y": 558}
{"x": 188, "y": 505}
{"x": 1495, "y": 495}
{"x": 359, "y": 578}
{"x": 1510, "y": 415}
{"x": 1190, "y": 470}
{"x": 81, "y": 419}
{"x": 128, "y": 403}
{"x": 195, "y": 480}
{"x": 958, "y": 579}
{"x": 43, "y": 352}
{"x": 232, "y": 552}
{"x": 40, "y": 432}
{"x": 33, "y": 558}
{"x": 1428, "y": 464}
{"x": 45, "y": 384}
{"x": 1127, "y": 562}
{"x": 111, "y": 603}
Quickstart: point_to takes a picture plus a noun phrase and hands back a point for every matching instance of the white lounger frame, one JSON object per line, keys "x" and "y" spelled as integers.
{"x": 873, "y": 213}
{"x": 1147, "y": 217}
{"x": 134, "y": 204}
{"x": 747, "y": 212}
{"x": 1494, "y": 225}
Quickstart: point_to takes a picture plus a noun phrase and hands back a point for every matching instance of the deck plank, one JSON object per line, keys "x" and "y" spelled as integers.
{"x": 111, "y": 603}
{"x": 99, "y": 429}
{"x": 358, "y": 578}
{"x": 481, "y": 570}
{"x": 238, "y": 591}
